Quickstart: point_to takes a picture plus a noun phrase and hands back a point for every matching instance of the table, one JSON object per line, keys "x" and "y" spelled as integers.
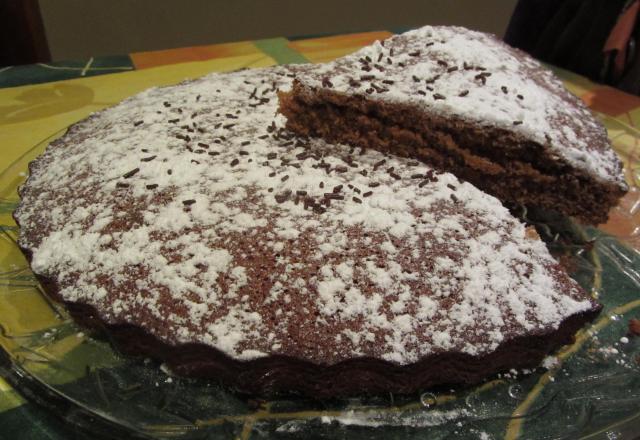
{"x": 39, "y": 100}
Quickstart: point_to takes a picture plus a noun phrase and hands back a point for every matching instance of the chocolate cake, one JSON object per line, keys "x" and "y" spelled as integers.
{"x": 191, "y": 227}
{"x": 469, "y": 104}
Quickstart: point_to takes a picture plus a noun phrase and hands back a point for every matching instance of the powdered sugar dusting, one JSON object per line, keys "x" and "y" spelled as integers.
{"x": 191, "y": 212}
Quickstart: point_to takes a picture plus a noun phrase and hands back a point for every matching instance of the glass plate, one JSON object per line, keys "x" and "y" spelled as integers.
{"x": 592, "y": 390}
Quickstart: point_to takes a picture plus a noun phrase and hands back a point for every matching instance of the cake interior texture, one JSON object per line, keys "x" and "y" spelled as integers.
{"x": 497, "y": 161}
{"x": 494, "y": 118}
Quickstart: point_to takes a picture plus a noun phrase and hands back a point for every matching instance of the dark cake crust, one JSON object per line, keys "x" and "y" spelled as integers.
{"x": 275, "y": 375}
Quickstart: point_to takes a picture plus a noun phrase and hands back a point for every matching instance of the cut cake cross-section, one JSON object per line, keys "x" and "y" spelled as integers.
{"x": 468, "y": 104}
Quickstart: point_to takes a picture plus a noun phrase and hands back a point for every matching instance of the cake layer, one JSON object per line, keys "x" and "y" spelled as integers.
{"x": 194, "y": 228}
{"x": 468, "y": 104}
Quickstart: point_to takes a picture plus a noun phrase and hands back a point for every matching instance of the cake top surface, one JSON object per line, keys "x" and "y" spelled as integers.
{"x": 190, "y": 212}
{"x": 456, "y": 72}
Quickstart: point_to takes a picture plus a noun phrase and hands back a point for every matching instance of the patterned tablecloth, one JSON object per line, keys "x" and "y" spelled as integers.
{"x": 39, "y": 100}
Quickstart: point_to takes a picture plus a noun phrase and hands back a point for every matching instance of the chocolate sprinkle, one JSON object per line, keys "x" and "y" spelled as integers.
{"x": 131, "y": 173}
{"x": 282, "y": 197}
{"x": 379, "y": 164}
{"x": 234, "y": 162}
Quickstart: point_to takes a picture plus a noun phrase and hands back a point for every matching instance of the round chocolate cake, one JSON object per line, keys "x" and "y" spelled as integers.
{"x": 193, "y": 228}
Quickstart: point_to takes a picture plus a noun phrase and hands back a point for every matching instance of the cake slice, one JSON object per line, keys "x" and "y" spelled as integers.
{"x": 467, "y": 103}
{"x": 194, "y": 229}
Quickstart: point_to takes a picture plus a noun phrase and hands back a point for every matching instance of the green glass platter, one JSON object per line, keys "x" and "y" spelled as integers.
{"x": 590, "y": 389}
